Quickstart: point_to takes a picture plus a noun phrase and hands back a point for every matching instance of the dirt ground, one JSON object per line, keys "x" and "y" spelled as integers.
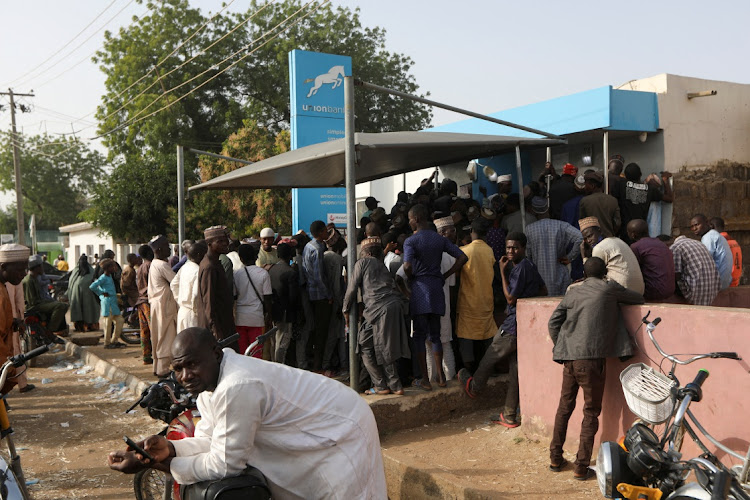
{"x": 67, "y": 425}
{"x": 489, "y": 459}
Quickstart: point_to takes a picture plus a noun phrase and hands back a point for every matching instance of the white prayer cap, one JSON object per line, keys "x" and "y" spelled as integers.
{"x": 504, "y": 178}
{"x": 13, "y": 252}
{"x": 267, "y": 232}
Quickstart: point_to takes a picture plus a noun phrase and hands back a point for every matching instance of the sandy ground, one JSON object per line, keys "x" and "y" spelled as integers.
{"x": 489, "y": 459}
{"x": 66, "y": 426}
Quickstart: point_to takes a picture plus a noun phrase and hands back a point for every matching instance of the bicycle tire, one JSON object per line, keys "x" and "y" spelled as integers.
{"x": 26, "y": 347}
{"x": 131, "y": 337}
{"x": 151, "y": 484}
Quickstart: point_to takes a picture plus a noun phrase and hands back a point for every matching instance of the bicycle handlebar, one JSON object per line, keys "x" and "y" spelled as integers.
{"x": 651, "y": 326}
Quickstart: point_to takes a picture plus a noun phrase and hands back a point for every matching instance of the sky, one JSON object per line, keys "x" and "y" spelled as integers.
{"x": 484, "y": 56}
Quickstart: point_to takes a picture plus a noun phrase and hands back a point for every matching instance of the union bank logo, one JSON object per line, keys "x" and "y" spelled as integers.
{"x": 334, "y": 77}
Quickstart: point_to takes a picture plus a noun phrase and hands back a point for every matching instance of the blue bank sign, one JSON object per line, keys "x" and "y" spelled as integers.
{"x": 316, "y": 83}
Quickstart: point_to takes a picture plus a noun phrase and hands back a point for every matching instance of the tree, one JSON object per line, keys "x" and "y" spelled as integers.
{"x": 208, "y": 105}
{"x": 57, "y": 177}
{"x": 244, "y": 212}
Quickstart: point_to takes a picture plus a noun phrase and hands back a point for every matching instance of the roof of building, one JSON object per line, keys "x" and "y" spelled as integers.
{"x": 77, "y": 227}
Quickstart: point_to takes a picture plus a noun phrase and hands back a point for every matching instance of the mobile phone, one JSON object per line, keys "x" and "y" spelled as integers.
{"x": 137, "y": 448}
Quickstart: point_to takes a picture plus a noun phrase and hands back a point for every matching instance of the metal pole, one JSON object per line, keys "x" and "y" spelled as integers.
{"x": 17, "y": 172}
{"x": 214, "y": 155}
{"x": 549, "y": 154}
{"x": 180, "y": 198}
{"x": 606, "y": 161}
{"x": 455, "y": 109}
{"x": 351, "y": 223}
{"x": 520, "y": 187}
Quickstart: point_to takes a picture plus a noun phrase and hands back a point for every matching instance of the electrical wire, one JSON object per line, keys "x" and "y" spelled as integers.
{"x": 174, "y": 52}
{"x": 159, "y": 77}
{"x": 77, "y": 47}
{"x": 136, "y": 119}
{"x": 64, "y": 46}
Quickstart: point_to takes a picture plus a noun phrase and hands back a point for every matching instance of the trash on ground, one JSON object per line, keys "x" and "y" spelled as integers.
{"x": 47, "y": 380}
{"x": 64, "y": 424}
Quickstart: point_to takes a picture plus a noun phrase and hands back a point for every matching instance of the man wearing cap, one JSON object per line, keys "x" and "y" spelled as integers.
{"x": 504, "y": 184}
{"x": 371, "y": 203}
{"x": 216, "y": 304}
{"x": 622, "y": 265}
{"x": 51, "y": 310}
{"x": 598, "y": 204}
{"x": 562, "y": 190}
{"x": 551, "y": 246}
{"x": 13, "y": 262}
{"x": 163, "y": 306}
{"x": 267, "y": 254}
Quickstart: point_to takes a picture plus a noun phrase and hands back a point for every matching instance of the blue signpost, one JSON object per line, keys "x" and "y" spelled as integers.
{"x": 317, "y": 115}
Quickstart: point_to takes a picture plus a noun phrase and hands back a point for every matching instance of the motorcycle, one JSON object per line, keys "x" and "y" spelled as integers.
{"x": 169, "y": 402}
{"x": 12, "y": 481}
{"x": 35, "y": 334}
{"x": 644, "y": 466}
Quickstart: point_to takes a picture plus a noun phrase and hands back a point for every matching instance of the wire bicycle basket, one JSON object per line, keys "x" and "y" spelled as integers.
{"x": 647, "y": 392}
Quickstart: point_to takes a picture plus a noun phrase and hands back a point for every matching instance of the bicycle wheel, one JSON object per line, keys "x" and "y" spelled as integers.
{"x": 151, "y": 484}
{"x": 27, "y": 345}
{"x": 131, "y": 336}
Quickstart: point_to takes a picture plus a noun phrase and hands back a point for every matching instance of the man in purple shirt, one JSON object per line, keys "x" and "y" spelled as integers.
{"x": 423, "y": 253}
{"x": 655, "y": 259}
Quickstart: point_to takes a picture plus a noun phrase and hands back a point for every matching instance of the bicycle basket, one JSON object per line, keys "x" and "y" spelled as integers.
{"x": 647, "y": 392}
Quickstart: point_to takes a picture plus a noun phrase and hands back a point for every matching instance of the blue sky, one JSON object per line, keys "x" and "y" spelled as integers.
{"x": 482, "y": 55}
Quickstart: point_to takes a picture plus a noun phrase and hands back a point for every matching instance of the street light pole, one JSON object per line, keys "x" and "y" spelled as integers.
{"x": 350, "y": 154}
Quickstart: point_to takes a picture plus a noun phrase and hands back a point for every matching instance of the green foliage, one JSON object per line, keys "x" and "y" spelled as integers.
{"x": 56, "y": 177}
{"x": 133, "y": 204}
{"x": 224, "y": 112}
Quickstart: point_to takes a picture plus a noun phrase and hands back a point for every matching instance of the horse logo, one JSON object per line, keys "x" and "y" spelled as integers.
{"x": 334, "y": 76}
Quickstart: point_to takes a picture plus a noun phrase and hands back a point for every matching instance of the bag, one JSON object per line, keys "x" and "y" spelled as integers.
{"x": 250, "y": 485}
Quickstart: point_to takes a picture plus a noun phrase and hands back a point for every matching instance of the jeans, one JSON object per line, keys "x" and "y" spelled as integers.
{"x": 427, "y": 327}
{"x": 589, "y": 375}
{"x": 503, "y": 347}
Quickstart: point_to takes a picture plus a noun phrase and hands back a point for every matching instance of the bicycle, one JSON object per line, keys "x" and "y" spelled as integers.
{"x": 645, "y": 466}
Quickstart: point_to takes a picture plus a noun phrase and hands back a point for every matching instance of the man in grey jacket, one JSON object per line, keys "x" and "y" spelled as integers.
{"x": 584, "y": 329}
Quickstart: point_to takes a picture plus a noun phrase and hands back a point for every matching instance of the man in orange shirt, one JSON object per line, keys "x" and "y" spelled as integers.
{"x": 718, "y": 224}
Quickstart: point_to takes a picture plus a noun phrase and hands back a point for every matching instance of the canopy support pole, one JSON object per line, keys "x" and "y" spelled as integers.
{"x": 520, "y": 187}
{"x": 606, "y": 161}
{"x": 180, "y": 197}
{"x": 351, "y": 223}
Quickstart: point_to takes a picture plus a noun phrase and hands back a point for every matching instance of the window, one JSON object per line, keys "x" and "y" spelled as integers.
{"x": 361, "y": 208}
{"x": 77, "y": 253}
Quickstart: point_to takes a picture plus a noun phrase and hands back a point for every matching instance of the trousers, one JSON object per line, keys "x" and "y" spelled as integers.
{"x": 382, "y": 376}
{"x": 589, "y": 375}
{"x": 319, "y": 337}
{"x": 54, "y": 312}
{"x": 503, "y": 347}
{"x": 283, "y": 338}
{"x": 118, "y": 321}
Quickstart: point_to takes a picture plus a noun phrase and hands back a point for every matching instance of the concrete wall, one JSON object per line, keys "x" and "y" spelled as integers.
{"x": 700, "y": 131}
{"x": 684, "y": 329}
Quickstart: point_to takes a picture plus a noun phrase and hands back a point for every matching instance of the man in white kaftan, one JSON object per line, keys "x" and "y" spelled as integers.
{"x": 184, "y": 287}
{"x": 310, "y": 436}
{"x": 163, "y": 306}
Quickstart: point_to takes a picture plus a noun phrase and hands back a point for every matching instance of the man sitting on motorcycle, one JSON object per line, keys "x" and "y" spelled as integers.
{"x": 36, "y": 302}
{"x": 310, "y": 436}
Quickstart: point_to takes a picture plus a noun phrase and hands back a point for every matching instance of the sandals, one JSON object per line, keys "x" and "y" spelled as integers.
{"x": 375, "y": 392}
{"x": 557, "y": 468}
{"x": 501, "y": 420}
{"x": 419, "y": 384}
{"x": 465, "y": 378}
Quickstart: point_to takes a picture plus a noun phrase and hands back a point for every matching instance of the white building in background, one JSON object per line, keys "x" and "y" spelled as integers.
{"x": 84, "y": 238}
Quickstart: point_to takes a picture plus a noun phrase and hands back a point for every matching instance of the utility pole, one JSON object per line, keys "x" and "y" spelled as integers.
{"x": 17, "y": 165}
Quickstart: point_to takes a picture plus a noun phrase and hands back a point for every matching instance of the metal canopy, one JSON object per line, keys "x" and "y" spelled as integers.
{"x": 378, "y": 155}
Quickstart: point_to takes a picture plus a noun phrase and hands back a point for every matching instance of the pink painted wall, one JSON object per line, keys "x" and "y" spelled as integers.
{"x": 684, "y": 329}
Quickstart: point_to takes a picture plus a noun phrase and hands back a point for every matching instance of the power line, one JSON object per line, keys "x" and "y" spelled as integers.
{"x": 78, "y": 46}
{"x": 173, "y": 52}
{"x": 64, "y": 46}
{"x": 135, "y": 118}
{"x": 200, "y": 52}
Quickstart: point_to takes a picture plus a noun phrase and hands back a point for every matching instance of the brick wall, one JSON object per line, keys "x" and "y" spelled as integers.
{"x": 722, "y": 190}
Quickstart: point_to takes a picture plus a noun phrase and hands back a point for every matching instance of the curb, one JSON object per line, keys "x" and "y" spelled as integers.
{"x": 106, "y": 369}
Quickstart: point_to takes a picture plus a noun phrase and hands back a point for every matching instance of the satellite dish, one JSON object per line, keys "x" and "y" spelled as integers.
{"x": 490, "y": 173}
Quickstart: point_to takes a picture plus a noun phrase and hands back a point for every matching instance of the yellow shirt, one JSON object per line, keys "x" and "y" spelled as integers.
{"x": 474, "y": 313}
{"x": 62, "y": 265}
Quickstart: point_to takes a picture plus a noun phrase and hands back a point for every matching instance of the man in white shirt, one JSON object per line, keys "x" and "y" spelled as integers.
{"x": 185, "y": 287}
{"x": 310, "y": 436}
{"x": 252, "y": 287}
